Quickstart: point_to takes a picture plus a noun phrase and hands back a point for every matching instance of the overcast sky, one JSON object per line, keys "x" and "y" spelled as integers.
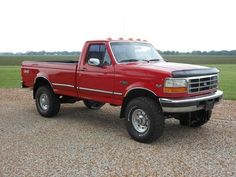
{"x": 58, "y": 25}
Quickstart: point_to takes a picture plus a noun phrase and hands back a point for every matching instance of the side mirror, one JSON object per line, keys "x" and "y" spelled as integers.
{"x": 94, "y": 61}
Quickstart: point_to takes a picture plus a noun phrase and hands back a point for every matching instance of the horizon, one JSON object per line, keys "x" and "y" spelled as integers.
{"x": 64, "y": 25}
{"x": 22, "y": 52}
{"x": 165, "y": 52}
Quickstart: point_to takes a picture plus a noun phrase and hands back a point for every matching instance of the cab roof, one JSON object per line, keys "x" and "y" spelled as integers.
{"x": 118, "y": 40}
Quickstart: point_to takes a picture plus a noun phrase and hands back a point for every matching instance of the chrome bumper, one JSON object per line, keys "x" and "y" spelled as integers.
{"x": 190, "y": 104}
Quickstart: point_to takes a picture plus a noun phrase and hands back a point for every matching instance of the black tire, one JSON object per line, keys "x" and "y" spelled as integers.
{"x": 93, "y": 104}
{"x": 52, "y": 105}
{"x": 195, "y": 119}
{"x": 153, "y": 116}
{"x": 184, "y": 120}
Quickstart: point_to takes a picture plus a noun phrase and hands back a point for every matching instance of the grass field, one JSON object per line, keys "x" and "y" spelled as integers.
{"x": 193, "y": 59}
{"x": 10, "y": 72}
{"x": 202, "y": 59}
{"x": 227, "y": 79}
{"x": 9, "y": 76}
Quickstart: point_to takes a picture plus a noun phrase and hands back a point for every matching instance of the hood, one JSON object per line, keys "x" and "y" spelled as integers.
{"x": 176, "y": 69}
{"x": 170, "y": 67}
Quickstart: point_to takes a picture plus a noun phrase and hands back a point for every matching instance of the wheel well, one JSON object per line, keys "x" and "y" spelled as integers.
{"x": 134, "y": 94}
{"x": 40, "y": 81}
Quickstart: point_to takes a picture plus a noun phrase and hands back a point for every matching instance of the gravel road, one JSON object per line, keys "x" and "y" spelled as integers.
{"x": 81, "y": 142}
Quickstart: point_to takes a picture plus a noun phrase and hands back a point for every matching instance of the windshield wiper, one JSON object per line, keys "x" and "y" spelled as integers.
{"x": 154, "y": 59}
{"x": 133, "y": 60}
{"x": 148, "y": 60}
{"x": 129, "y": 60}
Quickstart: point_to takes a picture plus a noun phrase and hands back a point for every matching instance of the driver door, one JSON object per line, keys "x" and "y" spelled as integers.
{"x": 96, "y": 82}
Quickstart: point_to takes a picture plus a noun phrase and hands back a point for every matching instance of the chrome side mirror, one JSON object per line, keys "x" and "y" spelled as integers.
{"x": 94, "y": 61}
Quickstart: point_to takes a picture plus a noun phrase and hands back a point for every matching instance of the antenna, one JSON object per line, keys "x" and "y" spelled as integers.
{"x": 124, "y": 28}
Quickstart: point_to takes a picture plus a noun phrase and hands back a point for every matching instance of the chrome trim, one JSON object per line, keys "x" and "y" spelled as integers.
{"x": 117, "y": 93}
{"x": 213, "y": 83}
{"x": 199, "y": 77}
{"x": 217, "y": 94}
{"x": 94, "y": 90}
{"x": 140, "y": 88}
{"x": 182, "y": 109}
{"x": 97, "y": 90}
{"x": 63, "y": 85}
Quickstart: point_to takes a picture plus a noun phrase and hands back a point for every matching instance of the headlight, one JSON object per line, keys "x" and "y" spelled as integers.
{"x": 175, "y": 85}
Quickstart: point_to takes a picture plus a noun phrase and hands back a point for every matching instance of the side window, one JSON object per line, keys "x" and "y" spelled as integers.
{"x": 98, "y": 51}
{"x": 106, "y": 60}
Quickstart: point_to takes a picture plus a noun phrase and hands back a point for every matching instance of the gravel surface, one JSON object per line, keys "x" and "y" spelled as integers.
{"x": 81, "y": 142}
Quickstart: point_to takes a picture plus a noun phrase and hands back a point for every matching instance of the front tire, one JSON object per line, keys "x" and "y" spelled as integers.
{"x": 47, "y": 103}
{"x": 144, "y": 119}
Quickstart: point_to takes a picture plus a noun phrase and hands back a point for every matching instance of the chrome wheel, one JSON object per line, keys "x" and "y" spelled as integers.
{"x": 140, "y": 121}
{"x": 44, "y": 101}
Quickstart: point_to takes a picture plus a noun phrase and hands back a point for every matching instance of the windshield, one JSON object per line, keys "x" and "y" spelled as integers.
{"x": 134, "y": 51}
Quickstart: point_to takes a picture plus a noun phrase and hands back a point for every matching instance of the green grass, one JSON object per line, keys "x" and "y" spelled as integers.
{"x": 10, "y": 75}
{"x": 202, "y": 59}
{"x": 193, "y": 59}
{"x": 227, "y": 80}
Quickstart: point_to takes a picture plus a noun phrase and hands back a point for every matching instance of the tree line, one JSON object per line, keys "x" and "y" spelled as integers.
{"x": 77, "y": 53}
{"x": 40, "y": 53}
{"x": 198, "y": 52}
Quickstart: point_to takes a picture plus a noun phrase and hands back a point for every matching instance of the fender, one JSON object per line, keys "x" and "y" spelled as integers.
{"x": 35, "y": 86}
{"x": 42, "y": 75}
{"x": 143, "y": 86}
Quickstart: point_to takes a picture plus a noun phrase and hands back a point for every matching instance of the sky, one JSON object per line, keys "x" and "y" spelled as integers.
{"x": 59, "y": 25}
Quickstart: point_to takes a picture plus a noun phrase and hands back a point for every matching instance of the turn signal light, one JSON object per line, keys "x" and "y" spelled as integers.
{"x": 175, "y": 89}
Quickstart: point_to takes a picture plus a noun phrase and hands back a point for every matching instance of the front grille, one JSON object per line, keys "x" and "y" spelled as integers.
{"x": 202, "y": 83}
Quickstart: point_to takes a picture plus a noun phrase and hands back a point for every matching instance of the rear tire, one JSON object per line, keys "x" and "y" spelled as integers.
{"x": 144, "y": 119}
{"x": 93, "y": 104}
{"x": 47, "y": 103}
{"x": 195, "y": 119}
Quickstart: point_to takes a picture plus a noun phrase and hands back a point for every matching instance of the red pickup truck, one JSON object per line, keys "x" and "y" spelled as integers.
{"x": 130, "y": 74}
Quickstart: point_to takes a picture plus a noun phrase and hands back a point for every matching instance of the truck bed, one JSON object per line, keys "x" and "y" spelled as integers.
{"x": 49, "y": 63}
{"x": 58, "y": 72}
{"x": 61, "y": 61}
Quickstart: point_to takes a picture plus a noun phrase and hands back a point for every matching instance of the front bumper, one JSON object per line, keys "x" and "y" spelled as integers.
{"x": 191, "y": 104}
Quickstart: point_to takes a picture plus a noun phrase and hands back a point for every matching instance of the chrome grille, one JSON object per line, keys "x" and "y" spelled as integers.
{"x": 202, "y": 83}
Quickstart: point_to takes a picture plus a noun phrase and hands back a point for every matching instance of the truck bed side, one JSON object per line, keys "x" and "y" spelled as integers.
{"x": 60, "y": 75}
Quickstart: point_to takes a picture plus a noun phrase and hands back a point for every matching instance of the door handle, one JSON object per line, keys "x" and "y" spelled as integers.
{"x": 83, "y": 69}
